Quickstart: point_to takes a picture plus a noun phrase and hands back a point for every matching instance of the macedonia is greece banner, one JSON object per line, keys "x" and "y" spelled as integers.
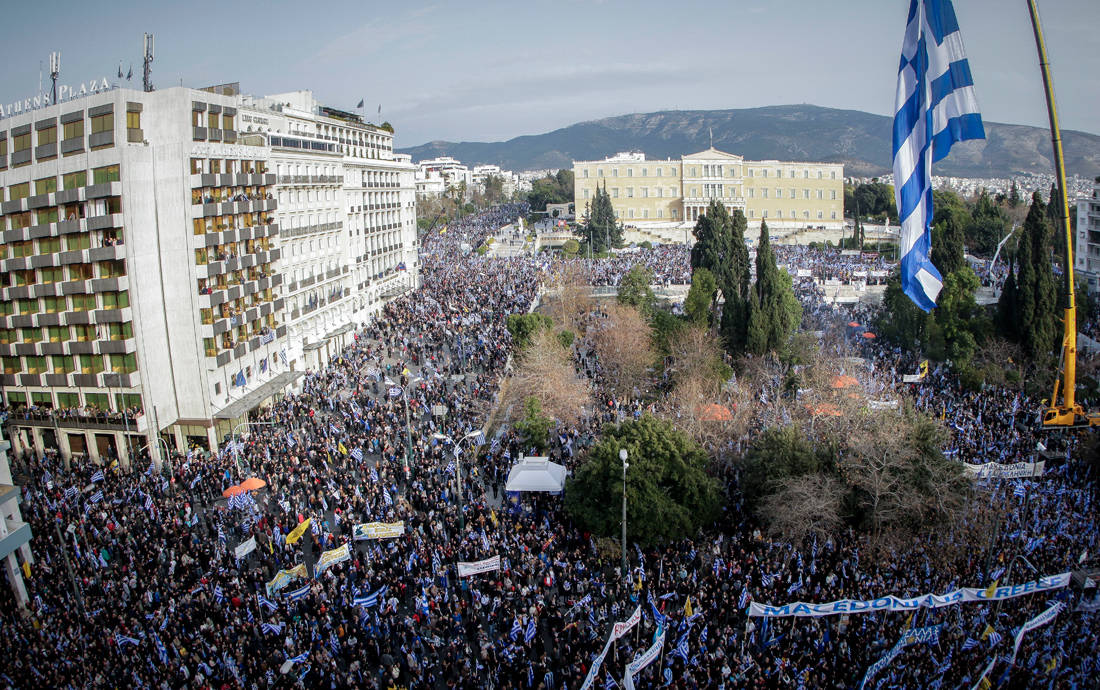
{"x": 378, "y": 530}
{"x": 332, "y": 557}
{"x": 645, "y": 658}
{"x": 996, "y": 470}
{"x": 929, "y": 634}
{"x": 1036, "y": 622}
{"x": 285, "y": 577}
{"x": 465, "y": 569}
{"x": 617, "y": 631}
{"x": 245, "y": 548}
{"x": 892, "y": 603}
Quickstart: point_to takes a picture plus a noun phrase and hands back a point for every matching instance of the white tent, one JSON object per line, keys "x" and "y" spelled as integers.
{"x": 536, "y": 474}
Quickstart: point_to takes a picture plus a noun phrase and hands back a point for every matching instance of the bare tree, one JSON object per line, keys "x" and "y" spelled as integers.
{"x": 545, "y": 371}
{"x": 804, "y": 505}
{"x": 569, "y": 296}
{"x": 621, "y": 339}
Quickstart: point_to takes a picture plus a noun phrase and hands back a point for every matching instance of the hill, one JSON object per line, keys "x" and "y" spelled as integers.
{"x": 785, "y": 132}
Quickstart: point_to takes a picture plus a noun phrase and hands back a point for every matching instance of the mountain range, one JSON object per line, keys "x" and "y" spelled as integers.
{"x": 860, "y": 140}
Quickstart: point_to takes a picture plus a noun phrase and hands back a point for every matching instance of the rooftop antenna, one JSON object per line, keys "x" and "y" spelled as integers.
{"x": 711, "y": 130}
{"x": 55, "y": 69}
{"x": 147, "y": 83}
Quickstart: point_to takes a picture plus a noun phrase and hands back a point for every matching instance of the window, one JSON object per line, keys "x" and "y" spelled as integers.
{"x": 833, "y": 215}
{"x": 819, "y": 194}
{"x": 614, "y": 192}
{"x": 764, "y": 193}
{"x": 585, "y": 173}
{"x": 614, "y": 172}
{"x": 103, "y": 123}
{"x": 75, "y": 242}
{"x": 53, "y": 305}
{"x": 84, "y": 303}
{"x": 92, "y": 364}
{"x": 645, "y": 192}
{"x": 80, "y": 272}
{"x": 116, "y": 300}
{"x": 660, "y": 213}
{"x": 12, "y": 366}
{"x": 586, "y": 193}
{"x": 7, "y": 336}
{"x": 765, "y": 213}
{"x": 832, "y": 175}
{"x": 58, "y": 334}
{"x": 805, "y": 194}
{"x": 630, "y": 213}
{"x": 27, "y": 306}
{"x": 794, "y": 194}
{"x": 47, "y": 135}
{"x": 21, "y": 142}
{"x": 778, "y": 193}
{"x": 779, "y": 172}
{"x": 68, "y": 399}
{"x": 19, "y": 191}
{"x": 779, "y": 213}
{"x": 36, "y": 365}
{"x": 599, "y": 172}
{"x": 99, "y": 401}
{"x": 108, "y": 173}
{"x": 47, "y": 215}
{"x": 752, "y": 192}
{"x": 629, "y": 192}
{"x": 124, "y": 364}
{"x": 32, "y": 335}
{"x": 819, "y": 215}
{"x": 832, "y": 195}
{"x": 73, "y": 130}
{"x": 51, "y": 275}
{"x": 75, "y": 179}
{"x": 133, "y": 120}
{"x": 645, "y": 172}
{"x": 763, "y": 173}
{"x": 227, "y": 122}
{"x": 659, "y": 172}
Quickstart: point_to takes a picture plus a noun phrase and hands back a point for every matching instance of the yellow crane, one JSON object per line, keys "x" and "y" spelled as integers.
{"x": 1069, "y": 414}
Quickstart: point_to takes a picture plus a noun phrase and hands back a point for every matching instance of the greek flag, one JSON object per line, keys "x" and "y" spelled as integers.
{"x": 994, "y": 638}
{"x": 219, "y": 594}
{"x": 276, "y": 628}
{"x": 682, "y": 648}
{"x": 266, "y": 603}
{"x": 357, "y": 453}
{"x": 96, "y": 497}
{"x": 373, "y": 474}
{"x": 970, "y": 643}
{"x": 298, "y": 594}
{"x": 386, "y": 497}
{"x": 1019, "y": 491}
{"x": 395, "y": 391}
{"x": 298, "y": 659}
{"x": 290, "y": 440}
{"x": 333, "y": 429}
{"x": 97, "y": 477}
{"x": 70, "y": 492}
{"x": 529, "y": 633}
{"x": 162, "y": 652}
{"x": 609, "y": 682}
{"x": 195, "y": 481}
{"x": 122, "y": 640}
{"x": 935, "y": 106}
{"x": 744, "y": 598}
{"x": 371, "y": 599}
{"x": 516, "y": 630}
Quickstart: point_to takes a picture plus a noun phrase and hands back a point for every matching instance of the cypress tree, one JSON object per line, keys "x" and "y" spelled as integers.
{"x": 1007, "y": 306}
{"x": 774, "y": 311}
{"x": 948, "y": 252}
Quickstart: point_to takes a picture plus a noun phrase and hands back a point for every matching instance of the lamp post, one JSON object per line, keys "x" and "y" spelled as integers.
{"x": 233, "y": 437}
{"x": 458, "y": 472}
{"x": 623, "y": 456}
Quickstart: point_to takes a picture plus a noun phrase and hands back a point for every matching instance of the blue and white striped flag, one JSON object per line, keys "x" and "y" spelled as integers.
{"x": 516, "y": 630}
{"x": 97, "y": 477}
{"x": 298, "y": 594}
{"x": 1019, "y": 491}
{"x": 219, "y": 594}
{"x": 162, "y": 651}
{"x": 371, "y": 599}
{"x": 395, "y": 391}
{"x": 681, "y": 649}
{"x": 373, "y": 474}
{"x": 122, "y": 640}
{"x": 266, "y": 603}
{"x": 298, "y": 659}
{"x": 70, "y": 492}
{"x": 357, "y": 453}
{"x": 96, "y": 497}
{"x": 276, "y": 628}
{"x": 970, "y": 643}
{"x": 994, "y": 638}
{"x": 529, "y": 633}
{"x": 935, "y": 106}
{"x": 744, "y": 601}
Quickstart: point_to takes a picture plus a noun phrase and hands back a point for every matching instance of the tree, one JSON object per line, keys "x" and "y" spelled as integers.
{"x": 948, "y": 250}
{"x": 776, "y": 455}
{"x": 552, "y": 189}
{"x": 902, "y": 321}
{"x": 600, "y": 228}
{"x": 635, "y": 290}
{"x": 534, "y": 425}
{"x": 1014, "y": 195}
{"x": 699, "y": 303}
{"x": 1028, "y": 313}
{"x": 957, "y": 318}
{"x": 669, "y": 494}
{"x": 720, "y": 248}
{"x": 544, "y": 371}
{"x": 622, "y": 341}
{"x": 774, "y": 311}
{"x": 804, "y": 505}
{"x": 523, "y": 327}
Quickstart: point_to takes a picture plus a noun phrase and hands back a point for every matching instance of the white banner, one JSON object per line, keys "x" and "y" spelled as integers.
{"x": 466, "y": 569}
{"x": 378, "y": 530}
{"x": 803, "y": 273}
{"x": 892, "y": 603}
{"x": 596, "y": 663}
{"x": 645, "y": 658}
{"x": 911, "y": 378}
{"x": 1036, "y": 622}
{"x": 245, "y": 548}
{"x": 882, "y": 404}
{"x": 918, "y": 635}
{"x": 332, "y": 557}
{"x": 996, "y": 470}
{"x": 620, "y": 629}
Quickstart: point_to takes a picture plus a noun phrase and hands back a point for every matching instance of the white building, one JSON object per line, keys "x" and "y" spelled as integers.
{"x": 456, "y": 176}
{"x": 15, "y": 534}
{"x": 347, "y": 219}
{"x": 141, "y": 261}
{"x": 1086, "y": 250}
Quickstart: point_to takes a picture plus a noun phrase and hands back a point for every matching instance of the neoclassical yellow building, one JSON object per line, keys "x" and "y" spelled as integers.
{"x": 674, "y": 193}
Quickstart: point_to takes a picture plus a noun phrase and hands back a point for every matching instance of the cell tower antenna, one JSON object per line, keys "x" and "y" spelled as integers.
{"x": 55, "y": 70}
{"x": 147, "y": 83}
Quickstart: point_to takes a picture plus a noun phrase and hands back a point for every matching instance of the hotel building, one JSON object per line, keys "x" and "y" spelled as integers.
{"x": 1086, "y": 250}
{"x": 142, "y": 261}
{"x": 671, "y": 194}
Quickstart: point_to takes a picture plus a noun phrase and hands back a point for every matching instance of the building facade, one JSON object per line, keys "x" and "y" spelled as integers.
{"x": 15, "y": 534}
{"x": 1086, "y": 250}
{"x": 674, "y": 193}
{"x": 145, "y": 277}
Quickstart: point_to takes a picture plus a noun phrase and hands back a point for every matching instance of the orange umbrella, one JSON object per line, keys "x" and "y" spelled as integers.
{"x": 826, "y": 409}
{"x": 234, "y": 490}
{"x": 869, "y": 335}
{"x": 853, "y": 324}
{"x": 845, "y": 381}
{"x": 253, "y": 483}
{"x": 715, "y": 413}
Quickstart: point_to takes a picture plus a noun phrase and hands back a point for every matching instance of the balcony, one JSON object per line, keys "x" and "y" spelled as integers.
{"x": 68, "y": 419}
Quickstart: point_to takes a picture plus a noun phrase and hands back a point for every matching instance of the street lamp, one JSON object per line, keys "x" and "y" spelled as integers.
{"x": 623, "y": 456}
{"x": 233, "y": 436}
{"x": 458, "y": 471}
{"x": 167, "y": 453}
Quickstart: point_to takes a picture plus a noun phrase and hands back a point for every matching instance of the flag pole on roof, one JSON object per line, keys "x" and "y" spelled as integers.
{"x": 935, "y": 107}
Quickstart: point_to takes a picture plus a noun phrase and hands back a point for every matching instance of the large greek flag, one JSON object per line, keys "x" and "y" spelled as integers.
{"x": 934, "y": 108}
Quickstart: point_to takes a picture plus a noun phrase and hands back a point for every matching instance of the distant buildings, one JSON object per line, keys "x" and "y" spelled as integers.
{"x": 185, "y": 255}
{"x": 673, "y": 193}
{"x": 1086, "y": 250}
{"x": 445, "y": 175}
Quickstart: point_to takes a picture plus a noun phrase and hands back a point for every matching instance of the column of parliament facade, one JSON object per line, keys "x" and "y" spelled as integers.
{"x": 673, "y": 193}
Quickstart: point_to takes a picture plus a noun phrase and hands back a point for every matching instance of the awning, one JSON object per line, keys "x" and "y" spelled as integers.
{"x": 242, "y": 406}
{"x": 346, "y": 328}
{"x": 536, "y": 474}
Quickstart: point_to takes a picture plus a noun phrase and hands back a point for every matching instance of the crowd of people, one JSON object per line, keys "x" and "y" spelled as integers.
{"x": 137, "y": 581}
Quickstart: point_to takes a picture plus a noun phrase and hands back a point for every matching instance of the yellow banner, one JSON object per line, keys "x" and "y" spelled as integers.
{"x": 297, "y": 532}
{"x": 378, "y": 530}
{"x": 285, "y": 577}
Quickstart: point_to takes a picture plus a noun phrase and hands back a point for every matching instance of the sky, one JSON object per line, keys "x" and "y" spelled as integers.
{"x": 489, "y": 71}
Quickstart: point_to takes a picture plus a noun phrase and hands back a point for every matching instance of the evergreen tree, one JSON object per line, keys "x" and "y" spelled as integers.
{"x": 948, "y": 252}
{"x": 720, "y": 248}
{"x": 774, "y": 311}
{"x": 1030, "y": 309}
{"x": 1007, "y": 305}
{"x": 700, "y": 298}
{"x": 1014, "y": 195}
{"x": 600, "y": 228}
